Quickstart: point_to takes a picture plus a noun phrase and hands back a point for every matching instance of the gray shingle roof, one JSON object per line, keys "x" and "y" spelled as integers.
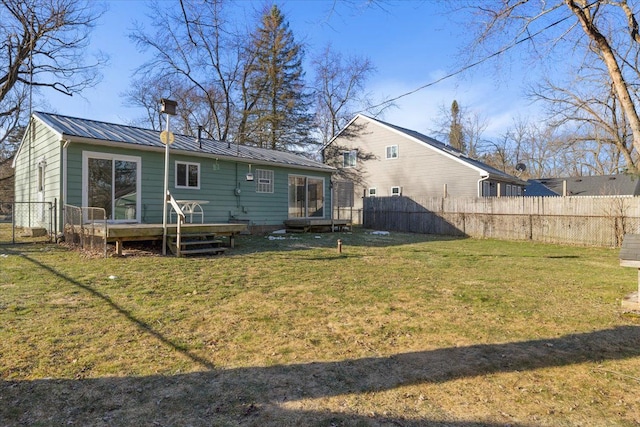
{"x": 72, "y": 127}
{"x": 603, "y": 185}
{"x": 535, "y": 188}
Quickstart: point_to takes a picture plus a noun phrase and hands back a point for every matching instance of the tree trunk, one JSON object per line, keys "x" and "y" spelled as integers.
{"x": 617, "y": 79}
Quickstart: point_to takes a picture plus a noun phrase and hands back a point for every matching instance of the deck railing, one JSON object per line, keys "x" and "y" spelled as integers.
{"x": 179, "y": 222}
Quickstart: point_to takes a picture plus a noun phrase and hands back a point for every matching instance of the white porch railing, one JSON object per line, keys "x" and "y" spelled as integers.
{"x": 179, "y": 222}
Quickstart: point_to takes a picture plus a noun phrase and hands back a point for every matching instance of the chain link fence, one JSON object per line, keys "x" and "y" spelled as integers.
{"x": 28, "y": 222}
{"x": 85, "y": 228}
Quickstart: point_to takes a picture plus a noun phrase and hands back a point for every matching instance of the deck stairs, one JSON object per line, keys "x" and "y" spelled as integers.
{"x": 196, "y": 244}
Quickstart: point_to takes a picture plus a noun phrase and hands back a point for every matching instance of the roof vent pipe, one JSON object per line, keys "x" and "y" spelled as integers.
{"x": 200, "y": 136}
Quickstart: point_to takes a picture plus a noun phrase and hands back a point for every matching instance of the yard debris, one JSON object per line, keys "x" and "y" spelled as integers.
{"x": 112, "y": 277}
{"x": 276, "y": 238}
{"x": 380, "y": 233}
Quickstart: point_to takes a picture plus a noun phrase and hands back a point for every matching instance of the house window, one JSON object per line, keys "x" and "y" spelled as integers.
{"x": 372, "y": 192}
{"x": 42, "y": 165}
{"x": 264, "y": 181}
{"x": 509, "y": 190}
{"x": 486, "y": 189}
{"x": 349, "y": 159}
{"x": 392, "y": 152}
{"x": 112, "y": 182}
{"x": 306, "y": 196}
{"x": 187, "y": 175}
{"x": 396, "y": 191}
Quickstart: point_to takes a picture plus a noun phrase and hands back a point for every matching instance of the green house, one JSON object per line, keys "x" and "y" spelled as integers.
{"x": 121, "y": 169}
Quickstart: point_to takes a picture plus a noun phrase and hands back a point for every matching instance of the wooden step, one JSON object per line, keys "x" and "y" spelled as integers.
{"x": 191, "y": 235}
{"x": 203, "y": 251}
{"x": 196, "y": 244}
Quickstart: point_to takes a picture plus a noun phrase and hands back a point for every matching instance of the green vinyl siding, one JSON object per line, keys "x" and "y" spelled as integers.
{"x": 222, "y": 186}
{"x": 152, "y": 173}
{"x": 219, "y": 182}
{"x": 231, "y": 197}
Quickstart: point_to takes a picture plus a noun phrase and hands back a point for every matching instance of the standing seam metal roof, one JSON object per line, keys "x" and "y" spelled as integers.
{"x": 110, "y": 132}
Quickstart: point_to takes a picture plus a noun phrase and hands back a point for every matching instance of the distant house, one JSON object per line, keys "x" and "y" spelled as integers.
{"x": 603, "y": 185}
{"x": 121, "y": 169}
{"x": 382, "y": 159}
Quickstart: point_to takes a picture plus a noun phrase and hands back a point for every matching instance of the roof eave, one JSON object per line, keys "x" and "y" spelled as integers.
{"x": 152, "y": 148}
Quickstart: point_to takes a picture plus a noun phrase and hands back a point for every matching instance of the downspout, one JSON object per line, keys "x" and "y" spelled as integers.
{"x": 331, "y": 194}
{"x": 63, "y": 181}
{"x": 484, "y": 178}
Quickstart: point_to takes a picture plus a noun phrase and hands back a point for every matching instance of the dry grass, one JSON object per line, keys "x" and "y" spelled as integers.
{"x": 398, "y": 330}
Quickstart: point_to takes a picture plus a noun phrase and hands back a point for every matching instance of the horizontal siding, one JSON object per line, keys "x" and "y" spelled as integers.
{"x": 218, "y": 181}
{"x": 41, "y": 145}
{"x": 420, "y": 170}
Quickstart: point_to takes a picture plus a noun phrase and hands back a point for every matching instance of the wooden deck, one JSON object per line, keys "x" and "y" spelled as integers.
{"x": 120, "y": 233}
{"x": 305, "y": 225}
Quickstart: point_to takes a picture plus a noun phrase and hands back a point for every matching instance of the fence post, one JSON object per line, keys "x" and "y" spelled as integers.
{"x": 13, "y": 223}
{"x": 55, "y": 220}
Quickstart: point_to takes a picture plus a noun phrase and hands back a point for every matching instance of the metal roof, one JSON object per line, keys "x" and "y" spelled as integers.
{"x": 76, "y": 128}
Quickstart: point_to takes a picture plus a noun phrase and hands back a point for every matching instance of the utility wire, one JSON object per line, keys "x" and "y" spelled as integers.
{"x": 472, "y": 65}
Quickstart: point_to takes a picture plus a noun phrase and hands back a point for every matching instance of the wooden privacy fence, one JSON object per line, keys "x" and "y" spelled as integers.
{"x": 592, "y": 221}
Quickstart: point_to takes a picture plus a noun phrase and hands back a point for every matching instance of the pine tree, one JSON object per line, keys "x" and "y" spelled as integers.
{"x": 456, "y": 134}
{"x": 280, "y": 117}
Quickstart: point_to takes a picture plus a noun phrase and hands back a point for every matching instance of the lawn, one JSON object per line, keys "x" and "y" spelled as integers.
{"x": 396, "y": 330}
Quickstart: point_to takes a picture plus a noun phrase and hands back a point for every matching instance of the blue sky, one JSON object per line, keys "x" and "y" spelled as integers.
{"x": 411, "y": 43}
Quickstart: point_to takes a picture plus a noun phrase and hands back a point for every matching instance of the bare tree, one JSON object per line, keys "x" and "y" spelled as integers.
{"x": 603, "y": 31}
{"x": 339, "y": 90}
{"x": 196, "y": 59}
{"x": 43, "y": 46}
{"x": 600, "y": 128}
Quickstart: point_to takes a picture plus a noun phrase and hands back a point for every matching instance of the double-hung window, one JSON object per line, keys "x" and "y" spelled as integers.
{"x": 349, "y": 159}
{"x": 392, "y": 152}
{"x": 188, "y": 175}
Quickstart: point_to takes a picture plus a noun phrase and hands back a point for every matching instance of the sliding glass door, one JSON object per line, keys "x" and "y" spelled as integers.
{"x": 112, "y": 182}
{"x": 306, "y": 197}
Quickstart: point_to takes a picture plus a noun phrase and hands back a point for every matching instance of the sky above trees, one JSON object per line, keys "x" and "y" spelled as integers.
{"x": 410, "y": 44}
{"x": 578, "y": 57}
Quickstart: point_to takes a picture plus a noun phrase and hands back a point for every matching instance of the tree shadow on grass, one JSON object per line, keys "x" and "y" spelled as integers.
{"x": 276, "y": 395}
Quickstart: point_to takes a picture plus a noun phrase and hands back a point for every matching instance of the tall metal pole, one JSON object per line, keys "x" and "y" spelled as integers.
{"x": 166, "y": 191}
